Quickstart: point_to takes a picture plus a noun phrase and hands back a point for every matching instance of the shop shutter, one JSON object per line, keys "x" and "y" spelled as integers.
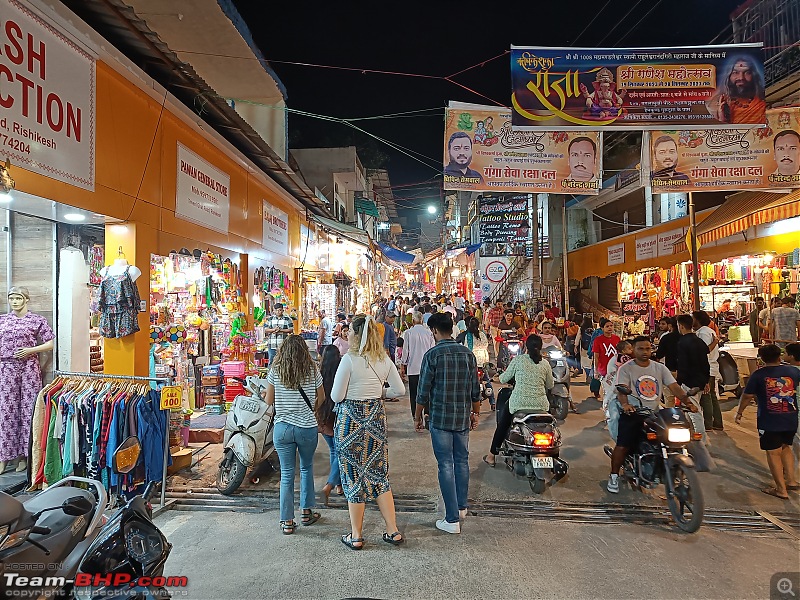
{"x": 607, "y": 293}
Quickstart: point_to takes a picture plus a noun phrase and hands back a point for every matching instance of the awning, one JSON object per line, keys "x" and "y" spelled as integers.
{"x": 366, "y": 207}
{"x": 395, "y": 255}
{"x": 454, "y": 252}
{"x": 352, "y": 233}
{"x": 747, "y": 209}
{"x": 473, "y": 248}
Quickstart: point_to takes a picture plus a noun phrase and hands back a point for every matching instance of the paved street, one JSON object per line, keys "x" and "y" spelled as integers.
{"x": 509, "y": 557}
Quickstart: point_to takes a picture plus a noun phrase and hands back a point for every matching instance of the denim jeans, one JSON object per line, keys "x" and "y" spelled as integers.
{"x": 335, "y": 477}
{"x": 451, "y": 449}
{"x": 271, "y": 354}
{"x": 289, "y": 441}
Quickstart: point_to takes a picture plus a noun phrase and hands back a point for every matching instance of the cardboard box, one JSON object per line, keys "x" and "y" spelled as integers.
{"x": 181, "y": 459}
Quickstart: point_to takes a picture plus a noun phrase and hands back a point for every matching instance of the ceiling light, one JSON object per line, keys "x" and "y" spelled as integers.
{"x": 75, "y": 217}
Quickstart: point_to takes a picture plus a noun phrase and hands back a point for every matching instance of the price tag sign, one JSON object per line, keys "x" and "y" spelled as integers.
{"x": 171, "y": 398}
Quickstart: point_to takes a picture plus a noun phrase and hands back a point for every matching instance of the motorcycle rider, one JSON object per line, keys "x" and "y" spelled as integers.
{"x": 548, "y": 337}
{"x": 647, "y": 379}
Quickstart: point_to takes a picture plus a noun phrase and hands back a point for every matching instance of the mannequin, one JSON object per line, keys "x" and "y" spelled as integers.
{"x": 118, "y": 267}
{"x": 20, "y": 374}
{"x": 119, "y": 299}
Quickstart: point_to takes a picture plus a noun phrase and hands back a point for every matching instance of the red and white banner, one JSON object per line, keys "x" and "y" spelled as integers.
{"x": 47, "y": 98}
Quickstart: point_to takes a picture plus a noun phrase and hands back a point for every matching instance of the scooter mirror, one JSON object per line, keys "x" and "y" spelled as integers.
{"x": 624, "y": 389}
{"x": 127, "y": 455}
{"x": 77, "y": 506}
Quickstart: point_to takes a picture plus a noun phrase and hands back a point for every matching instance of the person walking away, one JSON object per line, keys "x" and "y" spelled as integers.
{"x": 326, "y": 417}
{"x": 278, "y": 328}
{"x": 448, "y": 387}
{"x": 647, "y": 380}
{"x": 604, "y": 348}
{"x": 533, "y": 379}
{"x": 494, "y": 315}
{"x": 389, "y": 335}
{"x": 292, "y": 382}
{"x": 755, "y": 330}
{"x": 774, "y": 387}
{"x": 584, "y": 343}
{"x": 667, "y": 350}
{"x": 784, "y": 323}
{"x": 763, "y": 318}
{"x": 478, "y": 343}
{"x": 341, "y": 342}
{"x": 572, "y": 345}
{"x": 398, "y": 354}
{"x": 427, "y": 311}
{"x": 418, "y": 340}
{"x": 361, "y": 443}
{"x": 610, "y": 405}
{"x": 324, "y": 333}
{"x": 712, "y": 413}
{"x": 693, "y": 371}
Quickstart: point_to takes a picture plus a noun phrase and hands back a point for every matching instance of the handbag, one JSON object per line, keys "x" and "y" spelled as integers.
{"x": 383, "y": 382}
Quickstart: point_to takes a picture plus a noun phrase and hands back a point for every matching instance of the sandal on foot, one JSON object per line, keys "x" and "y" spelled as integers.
{"x": 339, "y": 490}
{"x": 793, "y": 488}
{"x": 287, "y": 527}
{"x": 310, "y": 517}
{"x": 771, "y": 491}
{"x": 485, "y": 457}
{"x": 392, "y": 539}
{"x": 327, "y": 495}
{"x": 349, "y": 541}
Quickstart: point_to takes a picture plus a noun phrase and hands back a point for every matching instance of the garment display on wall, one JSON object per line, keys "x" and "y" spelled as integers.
{"x": 119, "y": 305}
{"x": 73, "y": 311}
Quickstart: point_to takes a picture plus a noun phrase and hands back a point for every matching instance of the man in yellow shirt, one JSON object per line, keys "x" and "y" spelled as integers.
{"x": 636, "y": 327}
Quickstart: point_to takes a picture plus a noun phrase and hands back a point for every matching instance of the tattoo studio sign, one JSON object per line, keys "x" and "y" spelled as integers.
{"x": 637, "y": 88}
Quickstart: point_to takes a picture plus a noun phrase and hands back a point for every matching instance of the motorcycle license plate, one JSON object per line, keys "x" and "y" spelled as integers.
{"x": 559, "y": 363}
{"x": 542, "y": 462}
{"x": 249, "y": 406}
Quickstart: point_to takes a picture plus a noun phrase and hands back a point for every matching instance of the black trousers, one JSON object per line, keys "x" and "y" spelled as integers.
{"x": 413, "y": 382}
{"x": 504, "y": 420}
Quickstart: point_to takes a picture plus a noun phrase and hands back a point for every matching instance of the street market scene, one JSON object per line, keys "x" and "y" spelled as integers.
{"x": 312, "y": 301}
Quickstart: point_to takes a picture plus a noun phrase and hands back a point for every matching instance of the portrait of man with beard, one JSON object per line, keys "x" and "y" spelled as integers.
{"x": 459, "y": 150}
{"x": 665, "y": 160}
{"x": 740, "y": 96}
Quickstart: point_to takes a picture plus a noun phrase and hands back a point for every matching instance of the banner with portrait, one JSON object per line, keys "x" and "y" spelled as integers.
{"x": 483, "y": 153}
{"x": 637, "y": 88}
{"x": 505, "y": 224}
{"x": 724, "y": 159}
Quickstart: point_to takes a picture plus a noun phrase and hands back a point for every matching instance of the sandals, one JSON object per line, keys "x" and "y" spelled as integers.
{"x": 392, "y": 539}
{"x": 310, "y": 517}
{"x": 771, "y": 491}
{"x": 349, "y": 541}
{"x": 288, "y": 527}
{"x": 793, "y": 488}
{"x": 485, "y": 456}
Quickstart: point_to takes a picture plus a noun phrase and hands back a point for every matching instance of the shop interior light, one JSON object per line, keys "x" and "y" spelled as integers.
{"x": 119, "y": 229}
{"x": 456, "y": 272}
{"x": 5, "y": 197}
{"x": 75, "y": 217}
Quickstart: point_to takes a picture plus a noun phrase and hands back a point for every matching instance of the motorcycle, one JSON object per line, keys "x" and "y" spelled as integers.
{"x": 485, "y": 380}
{"x": 559, "y": 396}
{"x": 129, "y": 546}
{"x": 532, "y": 446}
{"x": 662, "y": 458}
{"x": 248, "y": 436}
{"x": 510, "y": 346}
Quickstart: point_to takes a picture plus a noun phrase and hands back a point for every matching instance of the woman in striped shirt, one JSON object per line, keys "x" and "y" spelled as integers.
{"x": 295, "y": 425}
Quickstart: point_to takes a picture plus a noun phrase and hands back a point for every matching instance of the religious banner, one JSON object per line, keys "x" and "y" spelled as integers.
{"x": 505, "y": 227}
{"x": 721, "y": 160}
{"x": 637, "y": 88}
{"x": 482, "y": 152}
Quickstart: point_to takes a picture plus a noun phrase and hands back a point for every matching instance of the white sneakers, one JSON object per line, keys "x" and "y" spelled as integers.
{"x": 613, "y": 484}
{"x": 448, "y": 527}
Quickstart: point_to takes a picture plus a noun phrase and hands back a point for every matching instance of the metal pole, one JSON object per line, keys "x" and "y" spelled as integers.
{"x": 695, "y": 261}
{"x": 565, "y": 270}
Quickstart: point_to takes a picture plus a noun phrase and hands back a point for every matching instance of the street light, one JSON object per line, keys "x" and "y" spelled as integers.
{"x": 431, "y": 209}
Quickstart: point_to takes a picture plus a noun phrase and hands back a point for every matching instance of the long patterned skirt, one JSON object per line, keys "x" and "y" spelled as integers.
{"x": 362, "y": 449}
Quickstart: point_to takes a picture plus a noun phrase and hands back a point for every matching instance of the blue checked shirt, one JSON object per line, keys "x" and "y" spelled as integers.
{"x": 448, "y": 385}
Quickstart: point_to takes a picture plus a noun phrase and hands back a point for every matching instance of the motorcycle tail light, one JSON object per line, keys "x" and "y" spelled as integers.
{"x": 697, "y": 436}
{"x": 542, "y": 439}
{"x": 652, "y": 436}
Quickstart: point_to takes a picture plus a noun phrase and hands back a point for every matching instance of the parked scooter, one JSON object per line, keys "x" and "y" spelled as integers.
{"x": 532, "y": 446}
{"x": 559, "y": 396}
{"x": 248, "y": 436}
{"x": 510, "y": 345}
{"x": 662, "y": 457}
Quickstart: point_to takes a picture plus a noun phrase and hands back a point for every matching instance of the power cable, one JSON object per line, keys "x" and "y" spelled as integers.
{"x": 631, "y": 30}
{"x": 638, "y": 2}
{"x": 597, "y": 14}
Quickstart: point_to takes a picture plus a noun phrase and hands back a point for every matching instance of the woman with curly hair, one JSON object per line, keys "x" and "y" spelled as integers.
{"x": 361, "y": 443}
{"x": 294, "y": 386}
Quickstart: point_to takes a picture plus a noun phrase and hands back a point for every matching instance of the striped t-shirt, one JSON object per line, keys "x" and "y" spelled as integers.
{"x": 290, "y": 408}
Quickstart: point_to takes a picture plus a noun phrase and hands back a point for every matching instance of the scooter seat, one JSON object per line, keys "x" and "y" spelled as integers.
{"x": 537, "y": 416}
{"x": 57, "y": 520}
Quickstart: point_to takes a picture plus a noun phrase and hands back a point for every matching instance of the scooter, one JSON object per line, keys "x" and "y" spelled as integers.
{"x": 662, "y": 458}
{"x": 559, "y": 396}
{"x": 532, "y": 446}
{"x": 485, "y": 374}
{"x": 248, "y": 436}
{"x": 510, "y": 346}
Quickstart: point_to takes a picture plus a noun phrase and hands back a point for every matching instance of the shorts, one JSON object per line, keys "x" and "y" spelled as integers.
{"x": 773, "y": 440}
{"x": 630, "y": 431}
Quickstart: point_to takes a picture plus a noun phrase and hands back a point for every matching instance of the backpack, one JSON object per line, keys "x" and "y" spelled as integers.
{"x": 392, "y": 305}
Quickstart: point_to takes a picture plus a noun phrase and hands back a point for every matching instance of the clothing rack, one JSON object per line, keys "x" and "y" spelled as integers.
{"x": 165, "y": 381}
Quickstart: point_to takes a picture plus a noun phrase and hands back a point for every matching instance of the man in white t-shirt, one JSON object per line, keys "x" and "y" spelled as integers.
{"x": 712, "y": 414}
{"x": 325, "y": 332}
{"x": 458, "y": 301}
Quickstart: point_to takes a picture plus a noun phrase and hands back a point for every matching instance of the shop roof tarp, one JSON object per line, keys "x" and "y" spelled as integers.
{"x": 395, "y": 255}
{"x": 747, "y": 209}
{"x": 352, "y": 233}
{"x": 367, "y": 207}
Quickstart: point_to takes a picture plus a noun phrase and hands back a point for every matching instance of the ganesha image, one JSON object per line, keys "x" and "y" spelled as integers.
{"x": 605, "y": 101}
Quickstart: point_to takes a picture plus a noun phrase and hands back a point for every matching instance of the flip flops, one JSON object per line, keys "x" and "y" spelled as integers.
{"x": 485, "y": 457}
{"x": 771, "y": 491}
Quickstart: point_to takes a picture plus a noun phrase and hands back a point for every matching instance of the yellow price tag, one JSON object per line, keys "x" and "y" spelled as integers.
{"x": 171, "y": 398}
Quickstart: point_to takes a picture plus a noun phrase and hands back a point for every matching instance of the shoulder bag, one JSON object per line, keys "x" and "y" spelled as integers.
{"x": 383, "y": 382}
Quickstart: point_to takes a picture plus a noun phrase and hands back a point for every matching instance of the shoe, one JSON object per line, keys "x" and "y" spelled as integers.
{"x": 462, "y": 514}
{"x": 613, "y": 484}
{"x": 448, "y": 527}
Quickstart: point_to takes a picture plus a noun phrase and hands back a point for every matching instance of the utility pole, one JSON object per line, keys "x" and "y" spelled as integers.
{"x": 564, "y": 269}
{"x": 693, "y": 249}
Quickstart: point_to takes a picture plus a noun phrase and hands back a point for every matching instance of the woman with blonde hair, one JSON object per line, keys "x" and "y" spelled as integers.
{"x": 359, "y": 390}
{"x": 294, "y": 386}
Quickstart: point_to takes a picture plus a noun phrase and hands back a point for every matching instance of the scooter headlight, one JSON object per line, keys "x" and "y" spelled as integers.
{"x": 513, "y": 347}
{"x": 556, "y": 354}
{"x": 679, "y": 435}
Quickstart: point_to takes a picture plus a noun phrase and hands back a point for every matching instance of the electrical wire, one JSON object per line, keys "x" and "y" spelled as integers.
{"x": 597, "y": 14}
{"x": 638, "y": 2}
{"x": 632, "y": 29}
{"x": 149, "y": 155}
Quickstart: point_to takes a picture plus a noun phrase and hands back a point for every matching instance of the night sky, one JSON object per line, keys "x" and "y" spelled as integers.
{"x": 439, "y": 38}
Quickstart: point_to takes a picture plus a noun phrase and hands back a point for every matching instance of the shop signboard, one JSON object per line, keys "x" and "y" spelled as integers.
{"x": 308, "y": 246}
{"x": 171, "y": 397}
{"x": 203, "y": 191}
{"x": 47, "y": 102}
{"x": 722, "y": 160}
{"x": 275, "y": 229}
{"x": 667, "y": 240}
{"x": 482, "y": 152}
{"x": 616, "y": 254}
{"x": 505, "y": 227}
{"x": 637, "y": 88}
{"x": 646, "y": 247}
{"x": 492, "y": 273}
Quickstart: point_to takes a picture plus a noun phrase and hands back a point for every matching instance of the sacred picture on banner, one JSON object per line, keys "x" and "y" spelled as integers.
{"x": 720, "y": 160}
{"x": 637, "y": 88}
{"x": 483, "y": 153}
{"x": 505, "y": 226}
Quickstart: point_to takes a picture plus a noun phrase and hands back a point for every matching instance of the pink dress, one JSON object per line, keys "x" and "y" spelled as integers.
{"x": 20, "y": 380}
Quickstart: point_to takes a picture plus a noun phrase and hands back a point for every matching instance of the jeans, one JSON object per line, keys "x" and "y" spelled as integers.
{"x": 451, "y": 449}
{"x": 335, "y": 477}
{"x": 712, "y": 414}
{"x": 289, "y": 440}
{"x": 271, "y": 354}
{"x": 413, "y": 383}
